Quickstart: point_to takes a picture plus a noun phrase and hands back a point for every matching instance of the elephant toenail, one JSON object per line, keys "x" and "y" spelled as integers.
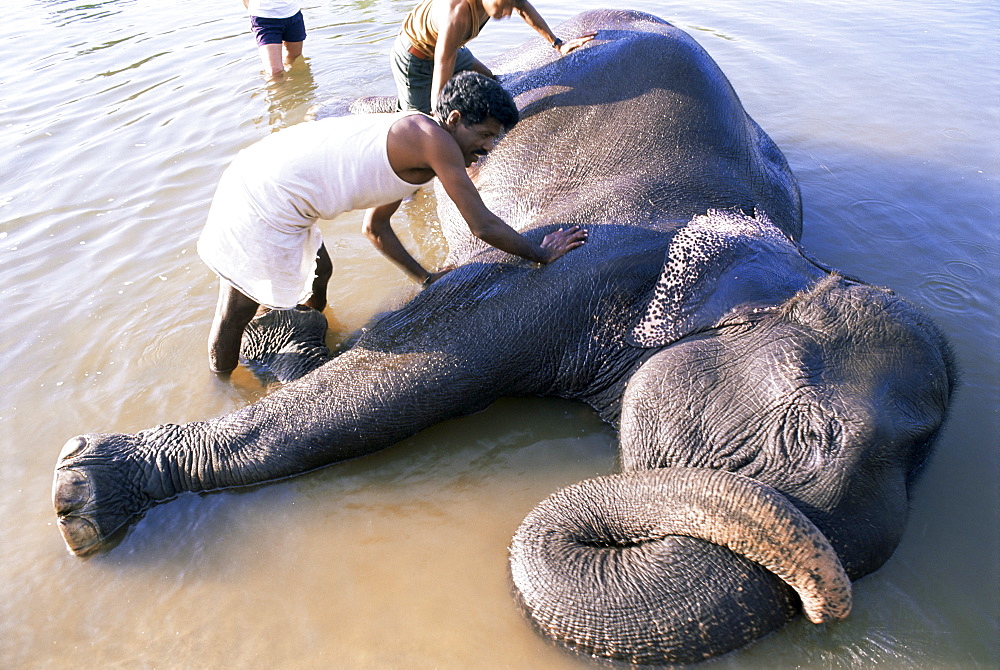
{"x": 71, "y": 490}
{"x": 81, "y": 536}
{"x": 72, "y": 447}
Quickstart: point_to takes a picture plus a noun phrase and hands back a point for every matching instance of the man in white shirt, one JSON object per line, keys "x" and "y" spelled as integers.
{"x": 261, "y": 236}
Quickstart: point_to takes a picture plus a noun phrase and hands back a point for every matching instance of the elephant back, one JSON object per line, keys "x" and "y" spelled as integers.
{"x": 585, "y": 151}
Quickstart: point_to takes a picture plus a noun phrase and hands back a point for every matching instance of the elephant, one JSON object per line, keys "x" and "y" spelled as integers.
{"x": 772, "y": 413}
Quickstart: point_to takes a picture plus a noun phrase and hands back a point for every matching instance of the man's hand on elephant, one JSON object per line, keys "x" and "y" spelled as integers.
{"x": 558, "y": 243}
{"x": 434, "y": 276}
{"x": 572, "y": 45}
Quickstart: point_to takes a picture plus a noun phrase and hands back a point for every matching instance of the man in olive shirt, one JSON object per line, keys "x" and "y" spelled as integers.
{"x": 431, "y": 45}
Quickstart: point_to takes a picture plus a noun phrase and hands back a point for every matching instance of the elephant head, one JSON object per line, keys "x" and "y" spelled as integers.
{"x": 772, "y": 412}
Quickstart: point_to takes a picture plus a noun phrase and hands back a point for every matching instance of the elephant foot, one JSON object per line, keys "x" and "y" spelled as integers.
{"x": 94, "y": 495}
{"x": 283, "y": 345}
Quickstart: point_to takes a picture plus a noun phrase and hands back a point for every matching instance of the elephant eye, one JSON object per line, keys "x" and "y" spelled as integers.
{"x": 817, "y": 437}
{"x": 826, "y": 435}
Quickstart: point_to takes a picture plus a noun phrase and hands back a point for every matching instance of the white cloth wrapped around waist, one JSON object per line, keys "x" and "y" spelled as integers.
{"x": 274, "y": 266}
{"x": 261, "y": 234}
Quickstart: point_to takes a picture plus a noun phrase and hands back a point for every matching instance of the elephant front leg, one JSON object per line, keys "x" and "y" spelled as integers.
{"x": 104, "y": 482}
{"x": 99, "y": 486}
{"x": 356, "y": 404}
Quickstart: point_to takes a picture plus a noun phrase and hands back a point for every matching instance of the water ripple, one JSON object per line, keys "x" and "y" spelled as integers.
{"x": 887, "y": 220}
{"x": 945, "y": 291}
{"x": 65, "y": 12}
{"x": 965, "y": 270}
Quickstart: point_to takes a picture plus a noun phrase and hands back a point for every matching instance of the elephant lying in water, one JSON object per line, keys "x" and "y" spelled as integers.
{"x": 772, "y": 413}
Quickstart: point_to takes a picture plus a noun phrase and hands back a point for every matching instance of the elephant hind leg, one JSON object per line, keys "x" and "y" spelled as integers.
{"x": 283, "y": 345}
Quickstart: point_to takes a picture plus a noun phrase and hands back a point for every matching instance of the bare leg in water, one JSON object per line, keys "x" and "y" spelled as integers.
{"x": 277, "y": 58}
{"x": 234, "y": 311}
{"x": 324, "y": 270}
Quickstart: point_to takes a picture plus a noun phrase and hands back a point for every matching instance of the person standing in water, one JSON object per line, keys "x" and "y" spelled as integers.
{"x": 280, "y": 30}
{"x": 431, "y": 47}
{"x": 262, "y": 239}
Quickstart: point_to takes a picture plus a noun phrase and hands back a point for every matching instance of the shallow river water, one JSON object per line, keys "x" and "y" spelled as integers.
{"x": 117, "y": 118}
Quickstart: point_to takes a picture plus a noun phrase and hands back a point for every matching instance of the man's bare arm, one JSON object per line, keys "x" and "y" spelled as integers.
{"x": 446, "y": 160}
{"x": 531, "y": 16}
{"x": 377, "y": 227}
{"x": 453, "y": 19}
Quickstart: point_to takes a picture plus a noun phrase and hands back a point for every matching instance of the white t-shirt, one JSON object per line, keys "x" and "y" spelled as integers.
{"x": 261, "y": 233}
{"x": 273, "y": 9}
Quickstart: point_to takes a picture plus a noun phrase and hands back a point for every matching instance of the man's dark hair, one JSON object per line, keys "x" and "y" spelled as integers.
{"x": 477, "y": 98}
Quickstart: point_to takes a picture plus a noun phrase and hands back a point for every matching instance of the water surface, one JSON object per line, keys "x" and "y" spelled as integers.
{"x": 116, "y": 120}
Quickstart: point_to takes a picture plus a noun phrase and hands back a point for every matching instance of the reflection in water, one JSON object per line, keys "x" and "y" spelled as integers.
{"x": 69, "y": 11}
{"x": 289, "y": 97}
{"x": 92, "y": 48}
{"x": 714, "y": 32}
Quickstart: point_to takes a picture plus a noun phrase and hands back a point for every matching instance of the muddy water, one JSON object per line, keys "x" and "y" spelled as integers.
{"x": 116, "y": 120}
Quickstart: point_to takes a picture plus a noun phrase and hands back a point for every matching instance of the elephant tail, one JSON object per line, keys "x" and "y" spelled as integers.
{"x": 608, "y": 565}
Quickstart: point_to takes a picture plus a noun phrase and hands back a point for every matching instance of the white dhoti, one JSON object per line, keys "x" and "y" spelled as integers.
{"x": 261, "y": 234}
{"x": 270, "y": 261}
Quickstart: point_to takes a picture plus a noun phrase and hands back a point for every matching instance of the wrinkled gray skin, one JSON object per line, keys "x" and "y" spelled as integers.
{"x": 772, "y": 413}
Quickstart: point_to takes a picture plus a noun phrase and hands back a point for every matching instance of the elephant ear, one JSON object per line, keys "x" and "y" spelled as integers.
{"x": 719, "y": 267}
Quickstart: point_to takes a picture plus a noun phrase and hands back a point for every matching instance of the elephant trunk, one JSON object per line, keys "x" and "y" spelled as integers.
{"x": 597, "y": 563}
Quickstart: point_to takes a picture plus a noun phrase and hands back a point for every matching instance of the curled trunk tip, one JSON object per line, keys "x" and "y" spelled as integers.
{"x": 598, "y": 547}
